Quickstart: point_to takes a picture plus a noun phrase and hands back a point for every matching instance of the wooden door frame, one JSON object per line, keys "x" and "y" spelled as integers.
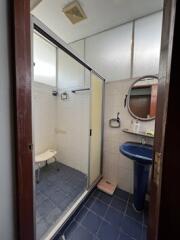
{"x": 165, "y": 196}
{"x": 21, "y": 80}
{"x": 158, "y": 189}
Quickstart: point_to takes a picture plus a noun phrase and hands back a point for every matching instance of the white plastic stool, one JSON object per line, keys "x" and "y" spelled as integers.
{"x": 44, "y": 157}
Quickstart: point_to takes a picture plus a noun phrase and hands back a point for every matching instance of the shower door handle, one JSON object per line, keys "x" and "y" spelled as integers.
{"x": 30, "y": 147}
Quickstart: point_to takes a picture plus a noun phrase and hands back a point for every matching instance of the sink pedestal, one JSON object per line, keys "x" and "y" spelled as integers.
{"x": 141, "y": 176}
{"x": 142, "y": 155}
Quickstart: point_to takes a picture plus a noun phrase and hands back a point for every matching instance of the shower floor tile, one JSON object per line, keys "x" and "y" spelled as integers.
{"x": 104, "y": 217}
{"x": 59, "y": 186}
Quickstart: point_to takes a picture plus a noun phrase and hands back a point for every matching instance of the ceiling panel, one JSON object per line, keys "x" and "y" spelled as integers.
{"x": 101, "y": 15}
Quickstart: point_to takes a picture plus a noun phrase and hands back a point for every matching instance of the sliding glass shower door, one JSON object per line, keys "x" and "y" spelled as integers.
{"x": 96, "y": 125}
{"x": 67, "y": 108}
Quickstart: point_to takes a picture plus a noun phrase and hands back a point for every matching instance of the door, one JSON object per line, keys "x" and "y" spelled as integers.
{"x": 96, "y": 127}
{"x": 158, "y": 225}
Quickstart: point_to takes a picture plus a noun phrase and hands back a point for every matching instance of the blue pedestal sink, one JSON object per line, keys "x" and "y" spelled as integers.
{"x": 142, "y": 155}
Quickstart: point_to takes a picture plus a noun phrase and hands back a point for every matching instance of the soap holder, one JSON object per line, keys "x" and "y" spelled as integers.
{"x": 115, "y": 122}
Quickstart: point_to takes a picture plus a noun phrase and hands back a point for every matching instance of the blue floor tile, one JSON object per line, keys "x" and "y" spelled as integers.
{"x": 90, "y": 202}
{"x": 55, "y": 192}
{"x": 124, "y": 236}
{"x": 81, "y": 214}
{"x": 40, "y": 197}
{"x": 132, "y": 228}
{"x": 104, "y": 197}
{"x": 114, "y": 217}
{"x": 99, "y": 208}
{"x": 118, "y": 204}
{"x": 102, "y": 218}
{"x": 44, "y": 186}
{"x": 70, "y": 229}
{"x": 96, "y": 193}
{"x": 57, "y": 196}
{"x": 91, "y": 222}
{"x": 122, "y": 194}
{"x": 131, "y": 212}
{"x": 107, "y": 232}
{"x": 45, "y": 207}
{"x": 65, "y": 203}
{"x": 53, "y": 216}
{"x": 144, "y": 233}
{"x": 42, "y": 228}
{"x": 81, "y": 234}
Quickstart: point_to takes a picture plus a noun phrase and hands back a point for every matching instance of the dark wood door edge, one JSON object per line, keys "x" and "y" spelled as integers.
{"x": 21, "y": 47}
{"x": 170, "y": 190}
{"x": 157, "y": 183}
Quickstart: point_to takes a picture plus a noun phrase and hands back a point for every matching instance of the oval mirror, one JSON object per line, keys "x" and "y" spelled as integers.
{"x": 142, "y": 98}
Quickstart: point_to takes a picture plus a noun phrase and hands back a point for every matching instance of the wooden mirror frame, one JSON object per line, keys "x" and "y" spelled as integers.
{"x": 129, "y": 94}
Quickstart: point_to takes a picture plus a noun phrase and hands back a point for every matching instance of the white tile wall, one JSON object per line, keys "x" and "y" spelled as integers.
{"x": 116, "y": 167}
{"x": 73, "y": 131}
{"x": 44, "y": 117}
{"x": 61, "y": 125}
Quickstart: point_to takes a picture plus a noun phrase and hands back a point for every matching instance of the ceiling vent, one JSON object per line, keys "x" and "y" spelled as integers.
{"x": 74, "y": 12}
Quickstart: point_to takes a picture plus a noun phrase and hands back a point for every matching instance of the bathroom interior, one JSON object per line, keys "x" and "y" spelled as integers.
{"x": 94, "y": 95}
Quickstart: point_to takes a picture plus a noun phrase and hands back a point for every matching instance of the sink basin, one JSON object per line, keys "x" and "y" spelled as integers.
{"x": 142, "y": 153}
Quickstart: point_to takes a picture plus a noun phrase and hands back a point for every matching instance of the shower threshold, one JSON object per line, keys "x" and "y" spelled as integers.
{"x": 62, "y": 221}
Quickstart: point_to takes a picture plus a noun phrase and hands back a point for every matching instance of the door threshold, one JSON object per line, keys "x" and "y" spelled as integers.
{"x": 66, "y": 216}
{"x": 52, "y": 233}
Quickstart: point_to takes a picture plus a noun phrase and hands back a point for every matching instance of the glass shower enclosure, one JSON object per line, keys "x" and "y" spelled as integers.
{"x": 67, "y": 109}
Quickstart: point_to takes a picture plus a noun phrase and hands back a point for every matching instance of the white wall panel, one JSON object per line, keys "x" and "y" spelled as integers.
{"x": 147, "y": 45}
{"x": 73, "y": 131}
{"x": 78, "y": 47}
{"x": 110, "y": 52}
{"x": 45, "y": 61}
{"x": 70, "y": 72}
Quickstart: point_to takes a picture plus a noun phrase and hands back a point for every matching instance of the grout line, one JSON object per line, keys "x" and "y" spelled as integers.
{"x": 141, "y": 223}
{"x": 103, "y": 218}
{"x": 90, "y": 210}
{"x": 109, "y": 204}
{"x": 92, "y": 197}
{"x": 83, "y": 215}
{"x": 55, "y": 205}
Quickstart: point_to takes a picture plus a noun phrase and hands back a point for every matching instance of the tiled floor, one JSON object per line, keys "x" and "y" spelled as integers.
{"x": 103, "y": 217}
{"x": 55, "y": 192}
